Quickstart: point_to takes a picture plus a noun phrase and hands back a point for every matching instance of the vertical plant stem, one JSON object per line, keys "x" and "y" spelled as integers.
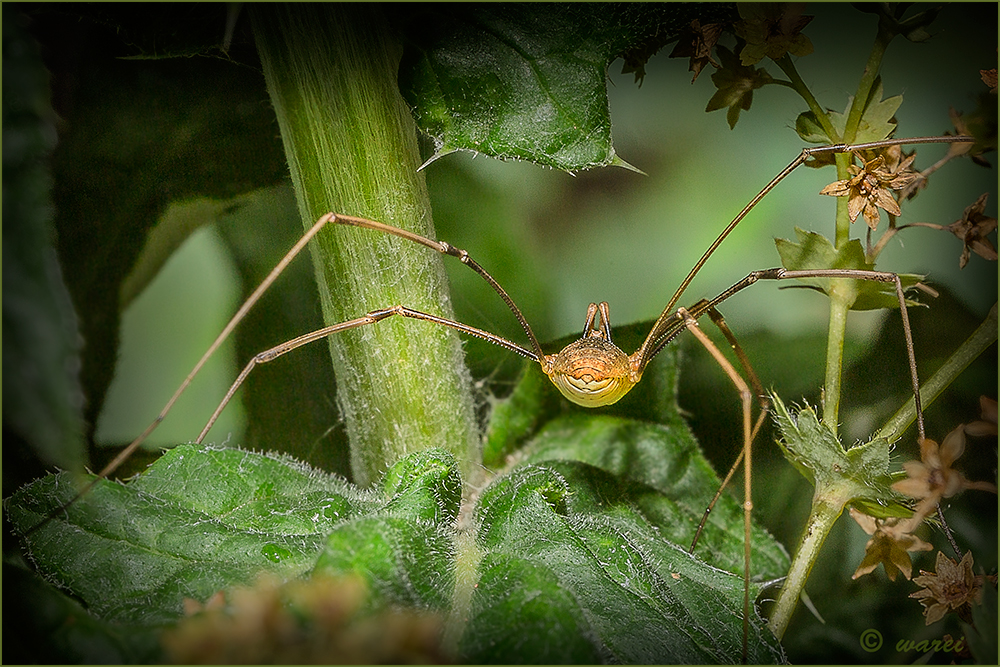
{"x": 824, "y": 514}
{"x": 866, "y": 83}
{"x": 351, "y": 147}
{"x": 842, "y": 297}
{"x": 853, "y": 122}
{"x": 822, "y": 117}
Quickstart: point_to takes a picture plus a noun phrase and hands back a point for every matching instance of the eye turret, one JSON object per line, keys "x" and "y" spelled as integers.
{"x": 592, "y": 371}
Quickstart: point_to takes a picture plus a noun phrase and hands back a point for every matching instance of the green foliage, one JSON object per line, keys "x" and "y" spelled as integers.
{"x": 40, "y": 344}
{"x": 561, "y": 543}
{"x": 567, "y": 539}
{"x": 861, "y": 474}
{"x": 527, "y": 82}
{"x": 877, "y": 121}
{"x": 814, "y": 251}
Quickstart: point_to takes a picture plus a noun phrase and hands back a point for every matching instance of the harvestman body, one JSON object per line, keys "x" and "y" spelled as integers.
{"x": 591, "y": 371}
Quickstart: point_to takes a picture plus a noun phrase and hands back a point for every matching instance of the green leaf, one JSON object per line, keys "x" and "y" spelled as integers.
{"x": 859, "y": 475}
{"x": 198, "y": 520}
{"x": 41, "y": 343}
{"x": 982, "y": 635}
{"x": 678, "y": 482}
{"x": 201, "y": 520}
{"x": 122, "y": 158}
{"x": 809, "y": 128}
{"x": 526, "y": 82}
{"x": 405, "y": 551}
{"x": 586, "y": 577}
{"x": 601, "y": 546}
{"x": 814, "y": 251}
{"x": 56, "y": 629}
{"x": 877, "y": 120}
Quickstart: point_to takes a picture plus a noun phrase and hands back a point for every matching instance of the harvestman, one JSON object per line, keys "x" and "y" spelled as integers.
{"x": 592, "y": 371}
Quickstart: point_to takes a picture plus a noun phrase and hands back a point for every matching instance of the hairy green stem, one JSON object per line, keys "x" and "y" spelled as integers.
{"x": 842, "y": 295}
{"x": 825, "y": 512}
{"x": 351, "y": 147}
{"x": 467, "y": 558}
{"x": 984, "y": 336}
{"x": 839, "y": 306}
{"x": 854, "y": 115}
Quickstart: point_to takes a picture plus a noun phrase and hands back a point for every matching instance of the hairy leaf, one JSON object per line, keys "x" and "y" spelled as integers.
{"x": 860, "y": 474}
{"x": 571, "y": 555}
{"x": 528, "y": 82}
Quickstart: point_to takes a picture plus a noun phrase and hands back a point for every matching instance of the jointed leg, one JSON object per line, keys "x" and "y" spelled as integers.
{"x": 369, "y": 318}
{"x": 765, "y": 407}
{"x": 746, "y": 398}
{"x": 668, "y": 328}
{"x": 534, "y": 353}
{"x": 684, "y": 319}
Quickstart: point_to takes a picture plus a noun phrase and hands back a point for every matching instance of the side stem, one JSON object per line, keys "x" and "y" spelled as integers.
{"x": 984, "y": 336}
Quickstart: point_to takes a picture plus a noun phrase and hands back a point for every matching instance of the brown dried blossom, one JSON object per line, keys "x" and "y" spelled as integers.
{"x": 317, "y": 621}
{"x": 973, "y": 230}
{"x": 870, "y": 187}
{"x": 697, "y": 44}
{"x": 987, "y": 425}
{"x": 772, "y": 30}
{"x": 889, "y": 546}
{"x": 952, "y": 587}
{"x": 931, "y": 478}
{"x": 989, "y": 77}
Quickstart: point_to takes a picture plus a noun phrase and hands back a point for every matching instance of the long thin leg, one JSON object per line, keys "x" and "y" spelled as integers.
{"x": 671, "y": 327}
{"x": 440, "y": 246}
{"x": 684, "y": 319}
{"x": 765, "y": 407}
{"x": 668, "y": 311}
{"x": 219, "y": 340}
{"x": 746, "y": 398}
{"x": 369, "y": 318}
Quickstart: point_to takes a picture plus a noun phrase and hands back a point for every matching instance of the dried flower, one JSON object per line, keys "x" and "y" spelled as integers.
{"x": 889, "y": 545}
{"x": 989, "y": 77}
{"x": 973, "y": 230}
{"x": 869, "y": 187}
{"x": 697, "y": 44}
{"x": 988, "y": 424}
{"x": 932, "y": 478}
{"x": 951, "y": 587}
{"x": 772, "y": 30}
{"x": 735, "y": 84}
